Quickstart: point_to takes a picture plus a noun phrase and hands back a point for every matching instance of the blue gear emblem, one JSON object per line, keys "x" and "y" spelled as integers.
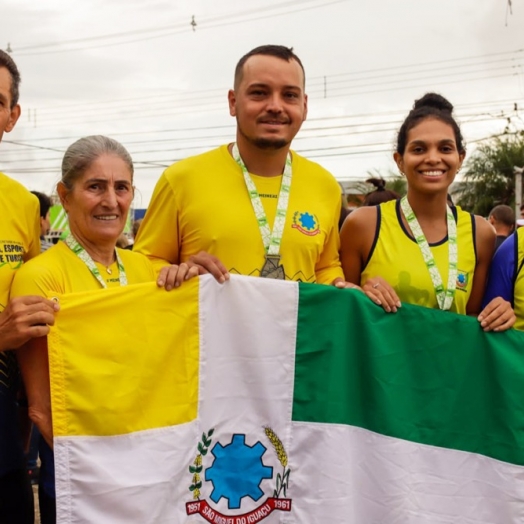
{"x": 237, "y": 471}
{"x": 307, "y": 221}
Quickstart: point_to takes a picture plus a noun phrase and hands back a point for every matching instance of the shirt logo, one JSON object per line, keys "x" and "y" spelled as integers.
{"x": 12, "y": 254}
{"x": 462, "y": 280}
{"x": 306, "y": 223}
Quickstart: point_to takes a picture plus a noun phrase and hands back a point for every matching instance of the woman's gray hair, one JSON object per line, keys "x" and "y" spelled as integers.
{"x": 80, "y": 155}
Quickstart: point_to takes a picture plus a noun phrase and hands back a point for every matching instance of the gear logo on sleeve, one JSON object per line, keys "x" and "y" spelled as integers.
{"x": 234, "y": 480}
{"x": 306, "y": 223}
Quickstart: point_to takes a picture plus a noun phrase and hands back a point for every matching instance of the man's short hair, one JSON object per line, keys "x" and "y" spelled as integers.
{"x": 45, "y": 203}
{"x": 278, "y": 51}
{"x": 503, "y": 214}
{"x": 7, "y": 62}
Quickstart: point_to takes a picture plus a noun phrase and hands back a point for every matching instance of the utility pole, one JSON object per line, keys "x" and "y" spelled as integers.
{"x": 518, "y": 188}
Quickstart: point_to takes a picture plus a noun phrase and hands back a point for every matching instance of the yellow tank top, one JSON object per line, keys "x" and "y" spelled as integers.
{"x": 396, "y": 257}
{"x": 518, "y": 293}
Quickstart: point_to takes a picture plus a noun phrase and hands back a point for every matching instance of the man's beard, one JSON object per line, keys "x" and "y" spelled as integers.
{"x": 265, "y": 143}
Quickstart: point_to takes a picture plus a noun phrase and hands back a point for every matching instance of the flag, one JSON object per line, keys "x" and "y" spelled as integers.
{"x": 281, "y": 402}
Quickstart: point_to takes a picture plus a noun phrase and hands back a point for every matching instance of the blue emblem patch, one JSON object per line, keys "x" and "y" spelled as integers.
{"x": 306, "y": 223}
{"x": 462, "y": 280}
{"x": 237, "y": 471}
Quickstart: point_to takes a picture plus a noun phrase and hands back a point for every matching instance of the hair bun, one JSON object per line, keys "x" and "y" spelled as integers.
{"x": 379, "y": 183}
{"x": 434, "y": 100}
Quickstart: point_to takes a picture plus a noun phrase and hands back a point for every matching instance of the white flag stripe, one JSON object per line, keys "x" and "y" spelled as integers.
{"x": 247, "y": 368}
{"x": 363, "y": 477}
{"x": 247, "y": 353}
{"x": 147, "y": 471}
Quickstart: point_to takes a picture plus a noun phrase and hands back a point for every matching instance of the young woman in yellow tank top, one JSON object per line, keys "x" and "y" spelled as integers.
{"x": 419, "y": 249}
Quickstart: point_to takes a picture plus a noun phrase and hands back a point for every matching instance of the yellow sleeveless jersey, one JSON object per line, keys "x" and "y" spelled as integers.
{"x": 518, "y": 293}
{"x": 396, "y": 257}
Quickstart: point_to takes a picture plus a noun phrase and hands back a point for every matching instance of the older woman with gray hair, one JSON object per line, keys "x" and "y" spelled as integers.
{"x": 96, "y": 191}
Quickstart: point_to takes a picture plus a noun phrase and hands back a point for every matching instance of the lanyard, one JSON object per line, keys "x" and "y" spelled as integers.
{"x": 84, "y": 256}
{"x": 271, "y": 239}
{"x": 444, "y": 296}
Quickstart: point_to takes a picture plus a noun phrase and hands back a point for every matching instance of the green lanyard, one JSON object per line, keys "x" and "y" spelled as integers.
{"x": 84, "y": 256}
{"x": 270, "y": 239}
{"x": 444, "y": 297}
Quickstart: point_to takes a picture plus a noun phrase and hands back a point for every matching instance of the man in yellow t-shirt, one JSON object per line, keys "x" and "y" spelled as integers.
{"x": 254, "y": 207}
{"x": 20, "y": 319}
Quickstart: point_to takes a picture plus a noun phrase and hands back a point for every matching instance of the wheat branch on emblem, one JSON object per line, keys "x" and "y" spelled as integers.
{"x": 282, "y": 479}
{"x": 196, "y": 468}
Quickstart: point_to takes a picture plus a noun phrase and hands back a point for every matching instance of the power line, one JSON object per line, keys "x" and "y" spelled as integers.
{"x": 317, "y": 81}
{"x": 229, "y": 19}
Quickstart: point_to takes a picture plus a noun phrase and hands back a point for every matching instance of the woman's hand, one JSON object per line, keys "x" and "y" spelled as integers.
{"x": 173, "y": 276}
{"x": 378, "y": 290}
{"x": 340, "y": 283}
{"x": 498, "y": 315}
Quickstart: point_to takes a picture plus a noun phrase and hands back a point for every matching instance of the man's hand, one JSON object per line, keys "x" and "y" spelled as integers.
{"x": 25, "y": 318}
{"x": 173, "y": 276}
{"x": 207, "y": 263}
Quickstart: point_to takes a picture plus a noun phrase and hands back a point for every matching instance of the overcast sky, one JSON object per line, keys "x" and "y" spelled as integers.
{"x": 137, "y": 71}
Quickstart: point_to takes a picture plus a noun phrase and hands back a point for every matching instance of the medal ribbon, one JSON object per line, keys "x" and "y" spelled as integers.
{"x": 271, "y": 239}
{"x": 84, "y": 256}
{"x": 444, "y": 296}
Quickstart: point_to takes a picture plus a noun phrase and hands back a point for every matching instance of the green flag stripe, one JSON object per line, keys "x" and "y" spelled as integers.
{"x": 421, "y": 375}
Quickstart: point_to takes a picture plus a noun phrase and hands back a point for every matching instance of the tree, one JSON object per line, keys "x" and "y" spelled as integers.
{"x": 489, "y": 179}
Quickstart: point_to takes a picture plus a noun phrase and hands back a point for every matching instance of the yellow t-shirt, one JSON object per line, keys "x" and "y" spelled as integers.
{"x": 19, "y": 232}
{"x": 59, "y": 270}
{"x": 397, "y": 258}
{"x": 202, "y": 204}
{"x": 19, "y": 241}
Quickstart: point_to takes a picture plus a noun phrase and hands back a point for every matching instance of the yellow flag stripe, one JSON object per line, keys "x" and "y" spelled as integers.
{"x": 149, "y": 379}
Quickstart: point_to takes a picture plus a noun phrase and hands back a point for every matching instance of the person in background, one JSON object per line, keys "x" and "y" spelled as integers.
{"x": 506, "y": 276}
{"x": 380, "y": 194}
{"x": 419, "y": 249}
{"x": 502, "y": 218}
{"x": 45, "y": 220}
{"x": 520, "y": 221}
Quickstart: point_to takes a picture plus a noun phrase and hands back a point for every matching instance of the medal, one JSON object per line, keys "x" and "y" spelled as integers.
{"x": 446, "y": 295}
{"x": 271, "y": 239}
{"x": 272, "y": 268}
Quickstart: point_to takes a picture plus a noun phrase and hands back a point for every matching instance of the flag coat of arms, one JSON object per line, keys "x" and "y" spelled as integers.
{"x": 280, "y": 402}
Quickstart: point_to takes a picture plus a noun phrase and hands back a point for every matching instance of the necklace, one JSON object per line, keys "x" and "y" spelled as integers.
{"x": 444, "y": 296}
{"x": 85, "y": 257}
